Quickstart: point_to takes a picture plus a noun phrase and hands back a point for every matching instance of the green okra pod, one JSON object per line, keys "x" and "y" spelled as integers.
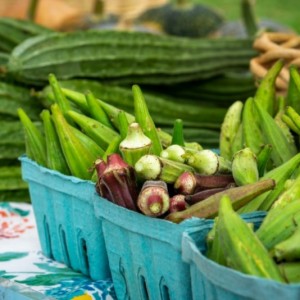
{"x": 238, "y": 140}
{"x": 294, "y": 116}
{"x": 55, "y": 157}
{"x": 96, "y": 111}
{"x": 290, "y": 123}
{"x": 289, "y": 249}
{"x": 229, "y": 128}
{"x": 113, "y": 147}
{"x": 123, "y": 124}
{"x": 60, "y": 98}
{"x": 279, "y": 224}
{"x": 282, "y": 125}
{"x": 283, "y": 150}
{"x": 111, "y": 111}
{"x": 35, "y": 141}
{"x": 252, "y": 134}
{"x": 95, "y": 149}
{"x": 291, "y": 193}
{"x": 209, "y": 207}
{"x": 266, "y": 91}
{"x": 178, "y": 136}
{"x": 244, "y": 167}
{"x": 293, "y": 92}
{"x": 263, "y": 158}
{"x": 290, "y": 271}
{"x": 207, "y": 162}
{"x": 215, "y": 251}
{"x": 79, "y": 157}
{"x": 243, "y": 250}
{"x": 280, "y": 174}
{"x": 100, "y": 133}
{"x": 145, "y": 120}
{"x": 135, "y": 145}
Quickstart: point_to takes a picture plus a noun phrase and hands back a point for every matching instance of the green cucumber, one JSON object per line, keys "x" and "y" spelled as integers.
{"x": 129, "y": 55}
{"x": 15, "y": 31}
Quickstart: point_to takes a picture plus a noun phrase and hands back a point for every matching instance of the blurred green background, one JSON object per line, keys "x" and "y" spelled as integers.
{"x": 285, "y": 12}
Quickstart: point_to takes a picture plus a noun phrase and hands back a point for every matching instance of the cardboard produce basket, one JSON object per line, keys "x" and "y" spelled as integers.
{"x": 145, "y": 253}
{"x": 68, "y": 229}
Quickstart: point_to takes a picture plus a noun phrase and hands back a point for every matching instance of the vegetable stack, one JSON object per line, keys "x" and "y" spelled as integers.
{"x": 271, "y": 251}
{"x": 261, "y": 138}
{"x": 133, "y": 163}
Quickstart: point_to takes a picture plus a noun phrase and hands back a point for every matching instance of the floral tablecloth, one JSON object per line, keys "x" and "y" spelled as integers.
{"x": 25, "y": 271}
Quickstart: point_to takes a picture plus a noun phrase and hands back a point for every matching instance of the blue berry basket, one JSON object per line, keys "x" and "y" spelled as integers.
{"x": 68, "y": 229}
{"x": 211, "y": 281}
{"x": 145, "y": 253}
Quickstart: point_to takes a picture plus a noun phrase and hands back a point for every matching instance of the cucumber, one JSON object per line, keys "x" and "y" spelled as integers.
{"x": 10, "y": 106}
{"x": 11, "y": 179}
{"x": 13, "y": 96}
{"x": 14, "y": 31}
{"x": 11, "y": 151}
{"x": 3, "y": 58}
{"x": 21, "y": 195}
{"x": 14, "y": 91}
{"x": 11, "y": 132}
{"x": 132, "y": 56}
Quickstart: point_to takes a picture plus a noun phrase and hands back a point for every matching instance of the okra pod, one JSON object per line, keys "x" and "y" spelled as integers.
{"x": 282, "y": 149}
{"x": 178, "y": 136}
{"x": 145, "y": 120}
{"x": 189, "y": 182}
{"x": 100, "y": 133}
{"x": 265, "y": 93}
{"x": 209, "y": 207}
{"x": 96, "y": 111}
{"x": 135, "y": 145}
{"x": 60, "y": 98}
{"x": 35, "y": 141}
{"x": 79, "y": 157}
{"x": 293, "y": 92}
{"x": 229, "y": 128}
{"x": 243, "y": 250}
{"x": 55, "y": 157}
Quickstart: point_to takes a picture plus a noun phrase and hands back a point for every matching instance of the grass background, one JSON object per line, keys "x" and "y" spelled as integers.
{"x": 286, "y": 12}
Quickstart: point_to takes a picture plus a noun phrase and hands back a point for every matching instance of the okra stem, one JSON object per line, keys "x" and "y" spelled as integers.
{"x": 153, "y": 199}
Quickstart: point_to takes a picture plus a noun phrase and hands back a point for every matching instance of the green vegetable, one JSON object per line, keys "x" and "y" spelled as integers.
{"x": 135, "y": 145}
{"x": 35, "y": 141}
{"x": 14, "y": 31}
{"x": 243, "y": 250}
{"x": 100, "y": 133}
{"x": 55, "y": 157}
{"x": 144, "y": 118}
{"x": 78, "y": 155}
{"x": 113, "y": 55}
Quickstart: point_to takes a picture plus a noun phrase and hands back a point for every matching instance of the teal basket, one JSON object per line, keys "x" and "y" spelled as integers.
{"x": 68, "y": 229}
{"x": 145, "y": 253}
{"x": 211, "y": 281}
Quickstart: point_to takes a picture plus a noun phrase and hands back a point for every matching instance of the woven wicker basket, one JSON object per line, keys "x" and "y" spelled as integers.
{"x": 272, "y": 47}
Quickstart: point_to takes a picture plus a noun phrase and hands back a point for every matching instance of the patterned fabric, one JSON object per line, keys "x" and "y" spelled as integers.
{"x": 14, "y": 221}
{"x": 22, "y": 262}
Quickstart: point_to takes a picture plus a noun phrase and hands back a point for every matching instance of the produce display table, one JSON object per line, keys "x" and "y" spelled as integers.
{"x": 25, "y": 273}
